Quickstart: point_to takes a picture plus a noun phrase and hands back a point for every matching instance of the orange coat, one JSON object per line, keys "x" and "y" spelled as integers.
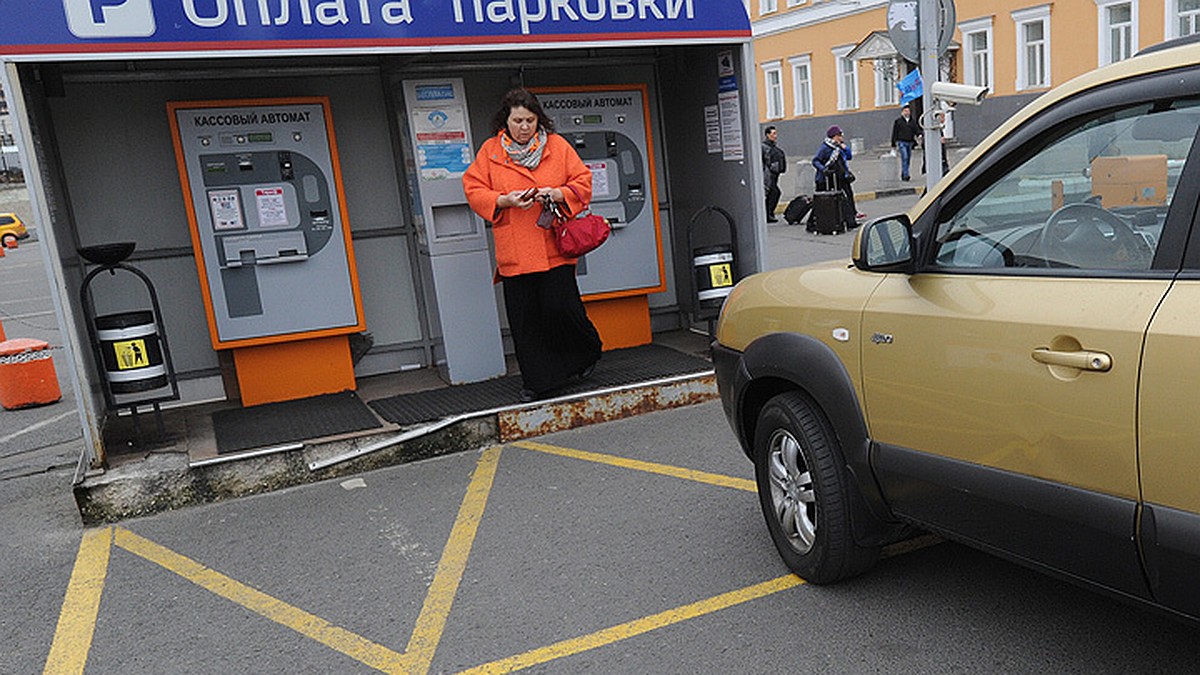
{"x": 521, "y": 246}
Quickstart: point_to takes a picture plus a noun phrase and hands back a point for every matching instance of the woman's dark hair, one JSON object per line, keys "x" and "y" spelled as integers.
{"x": 520, "y": 98}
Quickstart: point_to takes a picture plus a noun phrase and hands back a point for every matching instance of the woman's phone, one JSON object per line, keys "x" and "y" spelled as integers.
{"x": 528, "y": 194}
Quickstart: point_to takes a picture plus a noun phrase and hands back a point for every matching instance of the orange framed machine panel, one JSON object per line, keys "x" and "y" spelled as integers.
{"x": 653, "y": 177}
{"x": 194, "y": 222}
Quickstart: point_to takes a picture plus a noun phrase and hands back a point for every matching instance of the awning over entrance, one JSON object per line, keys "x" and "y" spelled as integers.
{"x": 44, "y": 29}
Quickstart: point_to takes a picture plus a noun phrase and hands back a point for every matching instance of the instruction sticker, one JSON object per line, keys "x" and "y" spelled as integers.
{"x": 226, "y": 209}
{"x": 600, "y": 185}
{"x": 131, "y": 354}
{"x": 722, "y": 275}
{"x": 272, "y": 212}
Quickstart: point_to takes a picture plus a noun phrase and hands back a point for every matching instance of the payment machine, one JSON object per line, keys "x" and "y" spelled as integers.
{"x": 609, "y": 128}
{"x": 270, "y": 233}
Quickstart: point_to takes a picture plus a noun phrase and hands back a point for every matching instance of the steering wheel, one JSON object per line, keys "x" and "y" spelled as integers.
{"x": 1077, "y": 235}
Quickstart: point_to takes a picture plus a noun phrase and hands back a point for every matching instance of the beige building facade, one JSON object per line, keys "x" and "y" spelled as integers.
{"x": 830, "y": 62}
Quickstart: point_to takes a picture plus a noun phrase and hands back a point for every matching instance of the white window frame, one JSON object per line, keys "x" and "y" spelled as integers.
{"x": 795, "y": 3}
{"x": 1173, "y": 16}
{"x": 971, "y": 74}
{"x": 802, "y": 91}
{"x": 1105, "y": 30}
{"x": 774, "y": 90}
{"x": 886, "y": 93}
{"x": 847, "y": 92}
{"x": 1022, "y": 18}
{"x": 768, "y": 6}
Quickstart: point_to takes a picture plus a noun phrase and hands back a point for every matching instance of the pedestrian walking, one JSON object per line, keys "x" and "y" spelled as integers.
{"x": 521, "y": 166}
{"x": 774, "y": 164}
{"x": 832, "y": 164}
{"x": 906, "y": 133}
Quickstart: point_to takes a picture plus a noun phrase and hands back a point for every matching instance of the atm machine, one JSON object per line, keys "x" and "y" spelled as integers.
{"x": 609, "y": 126}
{"x": 268, "y": 221}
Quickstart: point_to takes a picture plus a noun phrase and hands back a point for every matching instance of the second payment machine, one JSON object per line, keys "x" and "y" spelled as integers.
{"x": 268, "y": 220}
{"x": 609, "y": 128}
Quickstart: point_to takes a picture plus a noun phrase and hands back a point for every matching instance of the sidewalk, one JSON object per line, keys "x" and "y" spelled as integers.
{"x": 877, "y": 175}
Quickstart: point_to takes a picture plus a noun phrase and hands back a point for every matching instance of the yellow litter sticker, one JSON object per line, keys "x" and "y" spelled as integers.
{"x": 722, "y": 275}
{"x": 131, "y": 354}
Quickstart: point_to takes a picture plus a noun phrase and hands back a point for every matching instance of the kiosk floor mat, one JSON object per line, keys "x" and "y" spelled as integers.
{"x": 277, "y": 423}
{"x": 616, "y": 368}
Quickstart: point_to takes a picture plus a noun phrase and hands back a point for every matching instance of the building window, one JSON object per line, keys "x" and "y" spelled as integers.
{"x": 795, "y": 3}
{"x": 1118, "y": 30}
{"x": 847, "y": 79}
{"x": 977, "y": 52}
{"x": 773, "y": 77}
{"x": 1183, "y": 18}
{"x": 802, "y": 85}
{"x": 887, "y": 71}
{"x": 768, "y": 6}
{"x": 1033, "y": 47}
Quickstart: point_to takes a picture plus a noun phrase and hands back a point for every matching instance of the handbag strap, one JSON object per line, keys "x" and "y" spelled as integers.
{"x": 581, "y": 200}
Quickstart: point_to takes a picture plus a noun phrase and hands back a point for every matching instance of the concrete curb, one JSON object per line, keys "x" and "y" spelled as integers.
{"x": 166, "y": 481}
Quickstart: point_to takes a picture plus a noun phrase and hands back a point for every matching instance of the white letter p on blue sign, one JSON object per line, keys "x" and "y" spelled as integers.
{"x": 109, "y": 18}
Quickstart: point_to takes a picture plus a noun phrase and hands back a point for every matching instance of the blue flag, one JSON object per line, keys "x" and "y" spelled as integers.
{"x": 910, "y": 87}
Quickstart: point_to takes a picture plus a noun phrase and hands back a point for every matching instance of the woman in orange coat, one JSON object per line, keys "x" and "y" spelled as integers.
{"x": 524, "y": 164}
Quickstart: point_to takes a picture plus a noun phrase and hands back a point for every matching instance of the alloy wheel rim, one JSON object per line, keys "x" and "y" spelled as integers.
{"x": 792, "y": 495}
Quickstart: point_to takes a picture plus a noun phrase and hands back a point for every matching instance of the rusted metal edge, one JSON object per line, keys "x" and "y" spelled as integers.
{"x": 417, "y": 432}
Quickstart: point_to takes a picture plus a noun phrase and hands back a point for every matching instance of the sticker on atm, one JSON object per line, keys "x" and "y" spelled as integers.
{"x": 225, "y": 206}
{"x": 272, "y": 211}
{"x": 722, "y": 275}
{"x": 131, "y": 354}
{"x": 600, "y": 184}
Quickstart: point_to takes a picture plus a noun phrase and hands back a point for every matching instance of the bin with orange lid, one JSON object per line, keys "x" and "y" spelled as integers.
{"x": 27, "y": 376}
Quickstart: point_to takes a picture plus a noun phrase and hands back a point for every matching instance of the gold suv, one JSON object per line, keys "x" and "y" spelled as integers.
{"x": 1011, "y": 364}
{"x": 11, "y": 229}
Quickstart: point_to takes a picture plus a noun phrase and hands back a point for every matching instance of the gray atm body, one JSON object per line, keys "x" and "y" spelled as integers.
{"x": 608, "y": 130}
{"x": 269, "y": 225}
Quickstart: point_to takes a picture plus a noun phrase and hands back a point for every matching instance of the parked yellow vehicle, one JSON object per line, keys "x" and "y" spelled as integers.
{"x": 11, "y": 229}
{"x": 1011, "y": 364}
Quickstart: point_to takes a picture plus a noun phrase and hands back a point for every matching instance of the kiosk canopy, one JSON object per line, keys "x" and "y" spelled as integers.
{"x": 108, "y": 28}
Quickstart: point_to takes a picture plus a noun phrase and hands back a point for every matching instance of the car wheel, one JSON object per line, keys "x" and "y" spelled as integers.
{"x": 805, "y": 491}
{"x": 8, "y": 240}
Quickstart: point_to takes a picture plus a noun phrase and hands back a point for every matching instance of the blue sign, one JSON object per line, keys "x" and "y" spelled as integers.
{"x": 910, "y": 87}
{"x": 180, "y": 26}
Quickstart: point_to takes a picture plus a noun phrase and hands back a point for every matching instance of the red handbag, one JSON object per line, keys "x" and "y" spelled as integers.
{"x": 582, "y": 234}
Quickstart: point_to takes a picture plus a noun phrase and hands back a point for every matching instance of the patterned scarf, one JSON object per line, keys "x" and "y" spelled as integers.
{"x": 528, "y": 155}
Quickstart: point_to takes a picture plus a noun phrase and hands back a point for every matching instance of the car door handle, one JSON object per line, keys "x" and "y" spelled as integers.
{"x": 1083, "y": 360}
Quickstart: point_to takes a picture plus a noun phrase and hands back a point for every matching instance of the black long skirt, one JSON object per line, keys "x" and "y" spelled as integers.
{"x": 553, "y": 337}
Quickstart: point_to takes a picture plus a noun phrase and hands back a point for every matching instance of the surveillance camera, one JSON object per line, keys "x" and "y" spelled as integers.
{"x": 958, "y": 93}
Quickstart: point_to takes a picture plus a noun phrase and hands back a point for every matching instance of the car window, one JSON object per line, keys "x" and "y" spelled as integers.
{"x": 6, "y": 220}
{"x": 1094, "y": 197}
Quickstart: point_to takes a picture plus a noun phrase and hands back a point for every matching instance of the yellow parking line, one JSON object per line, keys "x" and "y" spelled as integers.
{"x": 81, "y": 606}
{"x": 431, "y": 623}
{"x": 310, "y": 625}
{"x": 635, "y": 627}
{"x": 651, "y": 467}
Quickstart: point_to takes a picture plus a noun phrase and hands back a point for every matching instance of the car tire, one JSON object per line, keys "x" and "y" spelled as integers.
{"x": 8, "y": 240}
{"x": 805, "y": 491}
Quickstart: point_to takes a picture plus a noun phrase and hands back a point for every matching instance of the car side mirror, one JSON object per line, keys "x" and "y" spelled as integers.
{"x": 885, "y": 245}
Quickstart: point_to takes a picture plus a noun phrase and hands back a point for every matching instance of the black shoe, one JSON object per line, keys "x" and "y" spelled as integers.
{"x": 905, "y": 178}
{"x": 772, "y": 220}
{"x": 587, "y": 372}
{"x": 527, "y": 396}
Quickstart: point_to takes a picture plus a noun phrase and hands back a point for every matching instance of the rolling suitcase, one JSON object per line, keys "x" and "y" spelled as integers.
{"x": 827, "y": 216}
{"x": 797, "y": 209}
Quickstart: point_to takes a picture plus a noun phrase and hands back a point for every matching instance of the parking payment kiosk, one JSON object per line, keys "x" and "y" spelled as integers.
{"x": 609, "y": 126}
{"x": 272, "y": 241}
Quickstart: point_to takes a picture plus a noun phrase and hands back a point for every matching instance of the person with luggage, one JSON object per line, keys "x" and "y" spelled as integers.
{"x": 833, "y": 201}
{"x": 905, "y": 134}
{"x": 774, "y": 163}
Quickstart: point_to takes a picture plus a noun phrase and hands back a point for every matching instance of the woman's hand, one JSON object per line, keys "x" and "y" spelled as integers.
{"x": 518, "y": 198}
{"x": 553, "y": 194}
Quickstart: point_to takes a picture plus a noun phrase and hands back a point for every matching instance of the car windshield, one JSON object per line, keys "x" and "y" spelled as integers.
{"x": 1096, "y": 197}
